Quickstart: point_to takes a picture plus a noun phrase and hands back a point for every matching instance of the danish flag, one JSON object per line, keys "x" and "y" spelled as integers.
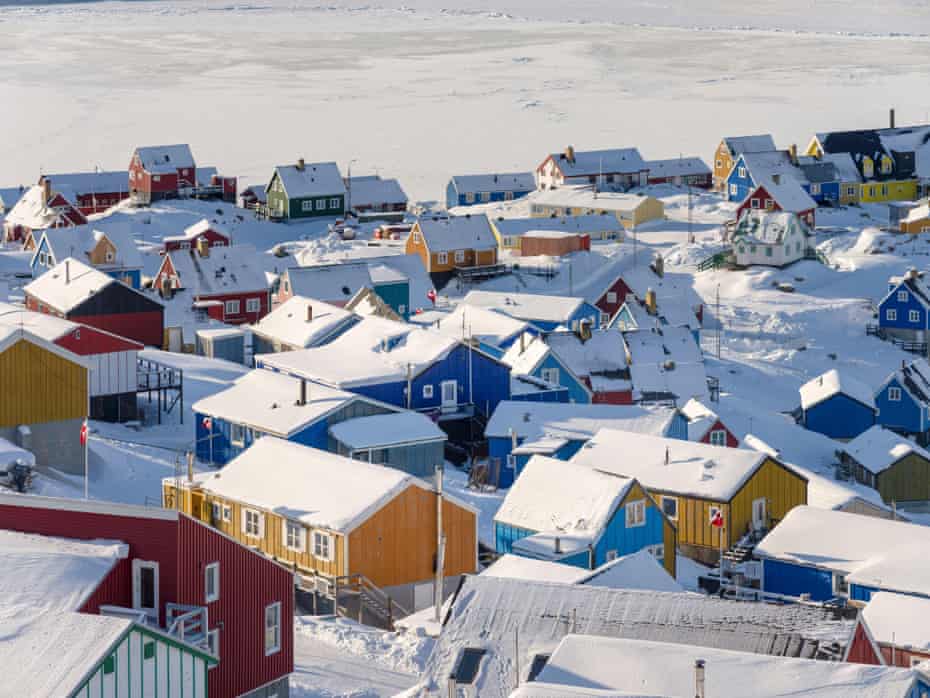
{"x": 84, "y": 433}
{"x": 431, "y": 294}
{"x": 716, "y": 517}
{"x": 207, "y": 423}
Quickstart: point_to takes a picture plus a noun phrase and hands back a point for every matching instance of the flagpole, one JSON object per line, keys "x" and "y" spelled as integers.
{"x": 86, "y": 469}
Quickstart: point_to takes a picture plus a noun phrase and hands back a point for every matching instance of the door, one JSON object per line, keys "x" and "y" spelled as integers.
{"x": 759, "y": 518}
{"x": 449, "y": 395}
{"x": 145, "y": 587}
{"x": 174, "y": 339}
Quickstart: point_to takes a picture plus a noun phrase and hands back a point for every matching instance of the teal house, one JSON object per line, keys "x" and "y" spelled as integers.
{"x": 306, "y": 190}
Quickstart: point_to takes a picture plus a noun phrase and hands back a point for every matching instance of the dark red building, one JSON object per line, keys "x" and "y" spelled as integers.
{"x": 214, "y": 234}
{"x": 611, "y": 299}
{"x": 92, "y": 192}
{"x": 40, "y": 208}
{"x": 77, "y": 292}
{"x": 784, "y": 197}
{"x": 705, "y": 426}
{"x": 175, "y": 560}
{"x": 161, "y": 172}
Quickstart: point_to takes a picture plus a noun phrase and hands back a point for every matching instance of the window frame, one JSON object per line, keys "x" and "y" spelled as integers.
{"x": 237, "y": 434}
{"x": 248, "y": 514}
{"x": 213, "y": 645}
{"x": 720, "y": 434}
{"x": 275, "y": 647}
{"x": 547, "y": 373}
{"x": 668, "y": 498}
{"x": 327, "y": 552}
{"x": 231, "y": 307}
{"x": 253, "y": 305}
{"x": 428, "y": 391}
{"x": 635, "y": 513}
{"x": 334, "y": 203}
{"x": 913, "y": 316}
{"x": 894, "y": 393}
{"x": 891, "y": 315}
{"x": 301, "y": 539}
{"x": 319, "y": 204}
{"x": 215, "y": 596}
{"x": 902, "y": 296}
{"x": 442, "y": 258}
{"x": 459, "y": 256}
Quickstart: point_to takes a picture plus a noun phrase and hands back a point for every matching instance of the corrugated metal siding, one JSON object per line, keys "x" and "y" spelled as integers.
{"x": 506, "y": 535}
{"x": 626, "y": 540}
{"x": 144, "y": 327}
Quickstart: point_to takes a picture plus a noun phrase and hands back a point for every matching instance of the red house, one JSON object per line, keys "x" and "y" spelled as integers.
{"x": 780, "y": 196}
{"x": 40, "y": 208}
{"x": 92, "y": 192}
{"x": 77, "y": 292}
{"x": 181, "y": 574}
{"x": 611, "y": 299}
{"x": 161, "y": 172}
{"x": 215, "y": 236}
{"x": 892, "y": 630}
{"x": 705, "y": 426}
{"x": 687, "y": 172}
{"x": 228, "y": 281}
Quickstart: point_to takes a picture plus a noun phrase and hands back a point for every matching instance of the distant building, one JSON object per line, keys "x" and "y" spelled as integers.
{"x": 113, "y": 252}
{"x": 616, "y": 169}
{"x": 510, "y": 231}
{"x": 454, "y": 242}
{"x": 681, "y": 172}
{"x": 916, "y": 221}
{"x": 770, "y": 238}
{"x": 731, "y": 148}
{"x": 374, "y": 198}
{"x": 903, "y": 401}
{"x": 465, "y": 190}
{"x": 93, "y": 192}
{"x": 891, "y": 631}
{"x": 897, "y": 468}
{"x": 306, "y": 190}
{"x": 545, "y": 312}
{"x": 631, "y": 210}
{"x": 837, "y": 405}
{"x": 214, "y": 234}
{"x": 161, "y": 172}
{"x": 40, "y": 208}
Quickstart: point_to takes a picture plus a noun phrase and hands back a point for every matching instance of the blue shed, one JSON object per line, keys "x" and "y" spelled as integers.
{"x": 837, "y": 406}
{"x": 465, "y": 190}
{"x": 904, "y": 312}
{"x": 393, "y": 287}
{"x": 564, "y": 512}
{"x": 903, "y": 401}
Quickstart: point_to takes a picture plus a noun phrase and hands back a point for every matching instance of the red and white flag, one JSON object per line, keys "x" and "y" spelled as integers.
{"x": 207, "y": 423}
{"x": 431, "y": 294}
{"x": 716, "y": 517}
{"x": 84, "y": 433}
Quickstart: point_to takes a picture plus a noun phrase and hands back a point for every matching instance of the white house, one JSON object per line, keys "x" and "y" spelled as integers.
{"x": 770, "y": 238}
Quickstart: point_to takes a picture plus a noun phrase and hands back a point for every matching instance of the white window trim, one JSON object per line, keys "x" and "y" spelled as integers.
{"x": 670, "y": 499}
{"x": 722, "y": 434}
{"x": 442, "y": 258}
{"x": 137, "y": 566}
{"x": 636, "y": 513}
{"x": 334, "y": 203}
{"x": 213, "y": 646}
{"x": 276, "y": 647}
{"x": 236, "y": 434}
{"x": 329, "y": 554}
{"x": 261, "y": 524}
{"x": 215, "y": 596}
{"x": 231, "y": 307}
{"x": 913, "y": 315}
{"x": 286, "y": 526}
{"x": 321, "y": 204}
{"x": 611, "y": 296}
{"x": 459, "y": 256}
{"x": 227, "y": 513}
{"x": 894, "y": 394}
{"x": 551, "y": 375}
{"x": 511, "y": 461}
{"x": 891, "y": 314}
{"x": 427, "y": 391}
{"x": 902, "y": 296}
{"x": 253, "y": 305}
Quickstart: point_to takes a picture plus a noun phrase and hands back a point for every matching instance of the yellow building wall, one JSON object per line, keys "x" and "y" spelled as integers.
{"x": 37, "y": 386}
{"x": 782, "y": 489}
{"x": 903, "y": 190}
{"x": 693, "y": 521}
{"x": 723, "y": 163}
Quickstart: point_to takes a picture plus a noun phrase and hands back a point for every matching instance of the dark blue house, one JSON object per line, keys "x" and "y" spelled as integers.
{"x": 533, "y": 357}
{"x": 465, "y": 190}
{"x": 569, "y": 513}
{"x": 903, "y": 401}
{"x": 904, "y": 312}
{"x": 519, "y": 430}
{"x": 837, "y": 406}
{"x": 837, "y": 555}
{"x": 821, "y": 180}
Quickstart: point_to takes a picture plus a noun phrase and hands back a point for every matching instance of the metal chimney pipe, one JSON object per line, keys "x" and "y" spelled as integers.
{"x": 303, "y": 392}
{"x": 699, "y": 678}
{"x": 67, "y": 271}
{"x": 891, "y": 117}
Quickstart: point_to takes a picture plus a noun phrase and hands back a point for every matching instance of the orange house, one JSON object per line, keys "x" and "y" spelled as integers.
{"x": 730, "y": 149}
{"x": 453, "y": 242}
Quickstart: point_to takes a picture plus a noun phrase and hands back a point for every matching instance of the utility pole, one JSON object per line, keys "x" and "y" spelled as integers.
{"x": 349, "y": 188}
{"x": 690, "y": 216}
{"x": 719, "y": 321}
{"x": 440, "y": 549}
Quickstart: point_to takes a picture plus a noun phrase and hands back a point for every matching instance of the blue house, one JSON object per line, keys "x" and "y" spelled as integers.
{"x": 575, "y": 515}
{"x": 519, "y": 430}
{"x": 494, "y": 331}
{"x": 339, "y": 283}
{"x": 114, "y": 252}
{"x": 754, "y": 169}
{"x": 837, "y": 555}
{"x": 837, "y": 406}
{"x": 402, "y": 365}
{"x": 903, "y": 401}
{"x": 546, "y": 313}
{"x": 533, "y": 357}
{"x": 263, "y": 403}
{"x": 904, "y": 312}
{"x": 822, "y": 180}
{"x": 465, "y": 190}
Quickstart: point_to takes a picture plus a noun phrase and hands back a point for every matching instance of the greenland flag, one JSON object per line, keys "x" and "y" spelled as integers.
{"x": 207, "y": 423}
{"x": 84, "y": 433}
{"x": 716, "y": 517}
{"x": 431, "y": 294}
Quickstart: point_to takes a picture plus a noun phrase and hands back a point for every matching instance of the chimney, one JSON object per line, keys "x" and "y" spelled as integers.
{"x": 46, "y": 189}
{"x": 300, "y": 164}
{"x": 666, "y": 455}
{"x": 651, "y": 302}
{"x": 302, "y": 400}
{"x": 558, "y": 545}
{"x": 309, "y": 313}
{"x": 793, "y": 154}
{"x": 570, "y": 154}
{"x": 660, "y": 266}
{"x": 203, "y": 246}
{"x": 776, "y": 178}
{"x": 891, "y": 118}
{"x": 67, "y": 271}
{"x": 522, "y": 342}
{"x": 699, "y": 678}
{"x": 912, "y": 273}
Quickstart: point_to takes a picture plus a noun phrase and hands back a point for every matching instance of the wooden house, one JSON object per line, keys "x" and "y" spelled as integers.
{"x": 306, "y": 190}
{"x": 533, "y": 357}
{"x": 600, "y": 359}
{"x": 161, "y": 172}
{"x": 339, "y": 283}
{"x": 836, "y": 555}
{"x": 371, "y": 197}
{"x": 691, "y": 481}
{"x": 903, "y": 401}
{"x": 904, "y": 312}
{"x": 215, "y": 235}
{"x": 185, "y": 578}
{"x": 552, "y": 243}
{"x": 680, "y": 172}
{"x": 494, "y": 331}
{"x": 510, "y": 231}
{"x": 300, "y": 323}
{"x": 632, "y": 210}
{"x": 706, "y": 427}
{"x": 9, "y": 196}
{"x": 770, "y": 238}
{"x": 77, "y": 292}
{"x": 837, "y": 405}
{"x": 752, "y": 170}
{"x": 465, "y": 190}
{"x": 407, "y": 441}
{"x": 891, "y": 631}
{"x": 454, "y": 242}
{"x": 92, "y": 192}
{"x": 39, "y": 208}
{"x": 898, "y": 468}
{"x": 45, "y": 397}
{"x": 113, "y": 252}
{"x": 544, "y": 312}
{"x": 330, "y": 517}
{"x": 229, "y": 279}
{"x": 729, "y": 150}
{"x": 615, "y": 169}
{"x": 610, "y": 299}
{"x": 778, "y": 195}
{"x": 519, "y": 430}
{"x": 666, "y": 366}
{"x": 917, "y": 220}
{"x": 563, "y": 512}
{"x": 252, "y": 197}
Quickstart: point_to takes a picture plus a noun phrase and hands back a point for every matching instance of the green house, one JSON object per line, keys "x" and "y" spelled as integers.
{"x": 306, "y": 190}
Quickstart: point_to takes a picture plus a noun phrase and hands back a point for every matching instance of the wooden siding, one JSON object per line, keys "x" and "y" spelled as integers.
{"x": 905, "y": 481}
{"x": 694, "y": 520}
{"x": 726, "y": 164}
{"x": 39, "y": 386}
{"x": 98, "y": 255}
{"x": 668, "y": 529}
{"x": 782, "y": 489}
{"x": 397, "y": 545}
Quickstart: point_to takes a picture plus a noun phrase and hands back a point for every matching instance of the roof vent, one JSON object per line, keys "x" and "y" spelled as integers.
{"x": 526, "y": 416}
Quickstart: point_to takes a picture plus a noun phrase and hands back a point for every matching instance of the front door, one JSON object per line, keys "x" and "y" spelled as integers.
{"x": 145, "y": 587}
{"x": 759, "y": 518}
{"x": 449, "y": 394}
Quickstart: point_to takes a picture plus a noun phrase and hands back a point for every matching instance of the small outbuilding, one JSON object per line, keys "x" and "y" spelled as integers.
{"x": 898, "y": 468}
{"x": 837, "y": 405}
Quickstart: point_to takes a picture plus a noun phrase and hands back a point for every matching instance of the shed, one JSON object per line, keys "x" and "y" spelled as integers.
{"x": 222, "y": 343}
{"x": 898, "y": 468}
{"x": 892, "y": 631}
{"x": 408, "y": 441}
{"x": 837, "y": 405}
{"x": 552, "y": 243}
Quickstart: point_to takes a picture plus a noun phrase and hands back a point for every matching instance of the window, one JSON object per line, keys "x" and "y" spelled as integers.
{"x": 295, "y": 537}
{"x": 306, "y": 205}
{"x": 670, "y": 507}
{"x": 611, "y": 296}
{"x": 156, "y": 178}
{"x": 913, "y": 315}
{"x": 733, "y": 190}
{"x": 508, "y": 196}
{"x": 754, "y": 203}
{"x": 850, "y": 191}
{"x": 470, "y": 198}
{"x": 272, "y": 628}
{"x": 321, "y": 204}
{"x": 442, "y": 258}
{"x": 511, "y": 461}
{"x": 769, "y": 205}
{"x": 211, "y": 582}
{"x": 213, "y": 642}
{"x": 915, "y": 661}
{"x": 718, "y": 437}
{"x": 109, "y": 256}
{"x": 605, "y": 319}
{"x": 145, "y": 587}
{"x": 718, "y": 164}
{"x": 459, "y": 256}
{"x": 148, "y": 650}
{"x": 611, "y": 555}
{"x": 891, "y": 314}
{"x": 322, "y": 545}
{"x": 636, "y": 513}
{"x": 485, "y": 196}
{"x": 840, "y": 585}
{"x": 334, "y": 203}
{"x": 402, "y": 309}
{"x": 253, "y": 305}
{"x": 42, "y": 258}
{"x": 428, "y": 391}
{"x": 416, "y": 237}
{"x": 768, "y": 251}
{"x": 886, "y": 165}
{"x": 185, "y": 245}
{"x": 109, "y": 664}
{"x": 232, "y": 307}
{"x": 550, "y": 375}
{"x": 894, "y": 394}
{"x": 752, "y": 249}
{"x": 742, "y": 172}
{"x": 227, "y": 513}
{"x": 217, "y": 510}
{"x": 902, "y": 296}
{"x": 253, "y": 523}
{"x": 657, "y": 551}
{"x": 237, "y": 434}
{"x": 884, "y": 190}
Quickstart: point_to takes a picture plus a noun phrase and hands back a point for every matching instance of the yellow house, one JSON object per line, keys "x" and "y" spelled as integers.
{"x": 631, "y": 210}
{"x": 729, "y": 150}
{"x": 332, "y": 517}
{"x": 447, "y": 243}
{"x": 693, "y": 481}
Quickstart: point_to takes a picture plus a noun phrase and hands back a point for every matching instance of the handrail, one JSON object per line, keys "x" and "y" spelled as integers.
{"x": 362, "y": 582}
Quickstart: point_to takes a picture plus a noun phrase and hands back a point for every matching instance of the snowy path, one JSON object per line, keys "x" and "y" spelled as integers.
{"x": 324, "y": 671}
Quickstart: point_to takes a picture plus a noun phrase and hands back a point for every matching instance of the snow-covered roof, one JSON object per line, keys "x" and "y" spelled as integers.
{"x": 915, "y": 379}
{"x": 790, "y": 196}
{"x": 52, "y": 288}
{"x": 671, "y": 465}
{"x": 511, "y": 181}
{"x": 918, "y": 213}
{"x": 877, "y": 449}
{"x": 604, "y": 352}
{"x": 639, "y": 570}
{"x": 584, "y": 197}
{"x": 372, "y": 190}
{"x": 192, "y": 232}
{"x": 81, "y": 183}
{"x": 382, "y": 430}
{"x": 411, "y": 266}
{"x": 317, "y": 488}
{"x": 267, "y": 401}
{"x": 80, "y": 241}
{"x": 668, "y": 288}
{"x": 846, "y": 170}
{"x": 833, "y": 383}
{"x": 205, "y": 175}
{"x": 667, "y": 344}
{"x": 533, "y": 421}
{"x": 677, "y": 167}
{"x": 775, "y": 171}
{"x": 32, "y": 210}
{"x": 524, "y": 355}
{"x": 770, "y": 227}
{"x": 512, "y": 566}
{"x": 450, "y": 233}
{"x": 233, "y": 269}
{"x": 383, "y": 274}
{"x": 750, "y": 144}
{"x": 700, "y": 418}
{"x": 488, "y": 612}
{"x": 592, "y": 223}
{"x": 165, "y": 158}
{"x": 585, "y": 163}
{"x": 872, "y": 551}
{"x": 330, "y": 282}
{"x": 526, "y": 306}
{"x": 315, "y": 179}
{"x": 289, "y": 323}
{"x": 486, "y": 325}
{"x": 11, "y": 453}
{"x": 667, "y": 669}
{"x": 372, "y": 351}
{"x": 899, "y": 619}
{"x": 681, "y": 382}
{"x": 563, "y": 499}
